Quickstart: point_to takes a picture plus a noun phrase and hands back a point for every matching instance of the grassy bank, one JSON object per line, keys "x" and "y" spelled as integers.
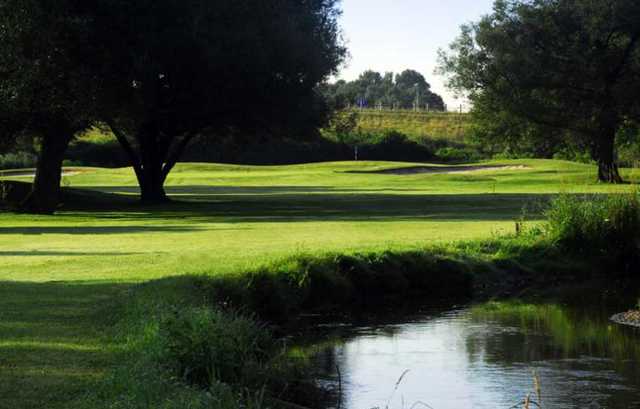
{"x": 436, "y": 125}
{"x": 425, "y": 137}
{"x": 61, "y": 336}
{"x": 186, "y": 345}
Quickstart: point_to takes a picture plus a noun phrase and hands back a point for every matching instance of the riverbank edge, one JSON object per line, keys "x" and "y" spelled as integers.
{"x": 338, "y": 285}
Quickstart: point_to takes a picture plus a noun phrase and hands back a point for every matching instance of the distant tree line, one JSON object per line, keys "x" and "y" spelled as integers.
{"x": 407, "y": 90}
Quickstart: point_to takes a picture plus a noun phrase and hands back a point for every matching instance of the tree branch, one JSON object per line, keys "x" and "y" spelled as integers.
{"x": 176, "y": 153}
{"x": 625, "y": 57}
{"x": 124, "y": 142}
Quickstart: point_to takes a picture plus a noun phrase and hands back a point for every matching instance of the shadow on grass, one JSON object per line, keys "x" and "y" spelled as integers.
{"x": 97, "y": 229}
{"x": 202, "y": 204}
{"x": 36, "y": 253}
{"x": 52, "y": 341}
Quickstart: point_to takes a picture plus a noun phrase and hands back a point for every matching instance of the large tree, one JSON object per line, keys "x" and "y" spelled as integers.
{"x": 46, "y": 88}
{"x": 567, "y": 64}
{"x": 178, "y": 69}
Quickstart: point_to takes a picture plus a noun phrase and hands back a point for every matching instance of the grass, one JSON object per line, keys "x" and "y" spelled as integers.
{"x": 59, "y": 273}
{"x": 237, "y": 216}
{"x": 436, "y": 125}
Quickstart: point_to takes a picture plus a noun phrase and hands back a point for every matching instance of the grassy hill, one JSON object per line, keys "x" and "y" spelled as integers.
{"x": 417, "y": 125}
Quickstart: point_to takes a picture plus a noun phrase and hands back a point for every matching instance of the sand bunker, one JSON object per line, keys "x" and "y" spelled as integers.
{"x": 31, "y": 173}
{"x": 412, "y": 170}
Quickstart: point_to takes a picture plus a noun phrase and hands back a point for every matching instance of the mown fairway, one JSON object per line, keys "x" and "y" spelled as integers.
{"x": 58, "y": 272}
{"x": 232, "y": 217}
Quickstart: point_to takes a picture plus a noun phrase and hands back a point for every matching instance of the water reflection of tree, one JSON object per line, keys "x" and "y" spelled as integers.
{"x": 580, "y": 342}
{"x": 551, "y": 331}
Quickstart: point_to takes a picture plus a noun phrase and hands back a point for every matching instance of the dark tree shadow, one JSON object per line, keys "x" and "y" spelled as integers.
{"x": 201, "y": 204}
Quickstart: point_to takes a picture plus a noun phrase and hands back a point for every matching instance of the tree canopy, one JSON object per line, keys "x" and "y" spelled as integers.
{"x": 191, "y": 68}
{"x": 47, "y": 88}
{"x": 159, "y": 73}
{"x": 572, "y": 65}
{"x": 406, "y": 90}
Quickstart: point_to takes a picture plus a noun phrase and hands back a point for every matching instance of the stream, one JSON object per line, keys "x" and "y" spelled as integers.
{"x": 563, "y": 353}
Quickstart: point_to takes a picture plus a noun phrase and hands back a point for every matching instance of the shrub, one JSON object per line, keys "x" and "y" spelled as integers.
{"x": 204, "y": 346}
{"x": 107, "y": 153}
{"x": 604, "y": 225}
{"x": 393, "y": 138}
{"x": 343, "y": 123}
{"x": 17, "y": 160}
{"x": 393, "y": 145}
{"x": 455, "y": 154}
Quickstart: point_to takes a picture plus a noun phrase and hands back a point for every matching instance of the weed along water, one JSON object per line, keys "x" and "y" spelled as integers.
{"x": 492, "y": 355}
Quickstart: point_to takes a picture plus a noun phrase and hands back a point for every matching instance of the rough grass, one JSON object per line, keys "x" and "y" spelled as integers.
{"x": 605, "y": 225}
{"x": 436, "y": 125}
{"x": 59, "y": 273}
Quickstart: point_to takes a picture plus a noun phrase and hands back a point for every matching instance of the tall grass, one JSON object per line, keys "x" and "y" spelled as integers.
{"x": 190, "y": 354}
{"x": 439, "y": 125}
{"x": 597, "y": 225}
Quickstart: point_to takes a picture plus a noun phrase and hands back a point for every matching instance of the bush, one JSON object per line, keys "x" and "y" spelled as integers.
{"x": 18, "y": 160}
{"x": 205, "y": 346}
{"x": 185, "y": 353}
{"x": 573, "y": 154}
{"x": 96, "y": 153}
{"x": 343, "y": 123}
{"x": 604, "y": 225}
{"x": 455, "y": 154}
{"x": 393, "y": 145}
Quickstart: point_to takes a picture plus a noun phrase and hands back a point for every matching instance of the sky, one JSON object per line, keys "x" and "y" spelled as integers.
{"x": 394, "y": 35}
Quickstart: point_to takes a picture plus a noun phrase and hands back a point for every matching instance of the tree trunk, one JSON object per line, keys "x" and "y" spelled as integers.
{"x": 152, "y": 185}
{"x": 46, "y": 193}
{"x": 608, "y": 172}
{"x": 154, "y": 161}
{"x": 152, "y": 155}
{"x": 604, "y": 153}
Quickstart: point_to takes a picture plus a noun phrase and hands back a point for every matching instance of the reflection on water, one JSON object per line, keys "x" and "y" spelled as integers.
{"x": 484, "y": 357}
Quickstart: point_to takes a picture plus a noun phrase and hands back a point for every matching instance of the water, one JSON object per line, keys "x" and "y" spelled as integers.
{"x": 485, "y": 356}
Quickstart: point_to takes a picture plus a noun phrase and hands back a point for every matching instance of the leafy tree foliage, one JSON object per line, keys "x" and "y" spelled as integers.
{"x": 193, "y": 67}
{"x": 159, "y": 73}
{"x": 499, "y": 132}
{"x": 571, "y": 65}
{"x": 372, "y": 89}
{"x": 46, "y": 86}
